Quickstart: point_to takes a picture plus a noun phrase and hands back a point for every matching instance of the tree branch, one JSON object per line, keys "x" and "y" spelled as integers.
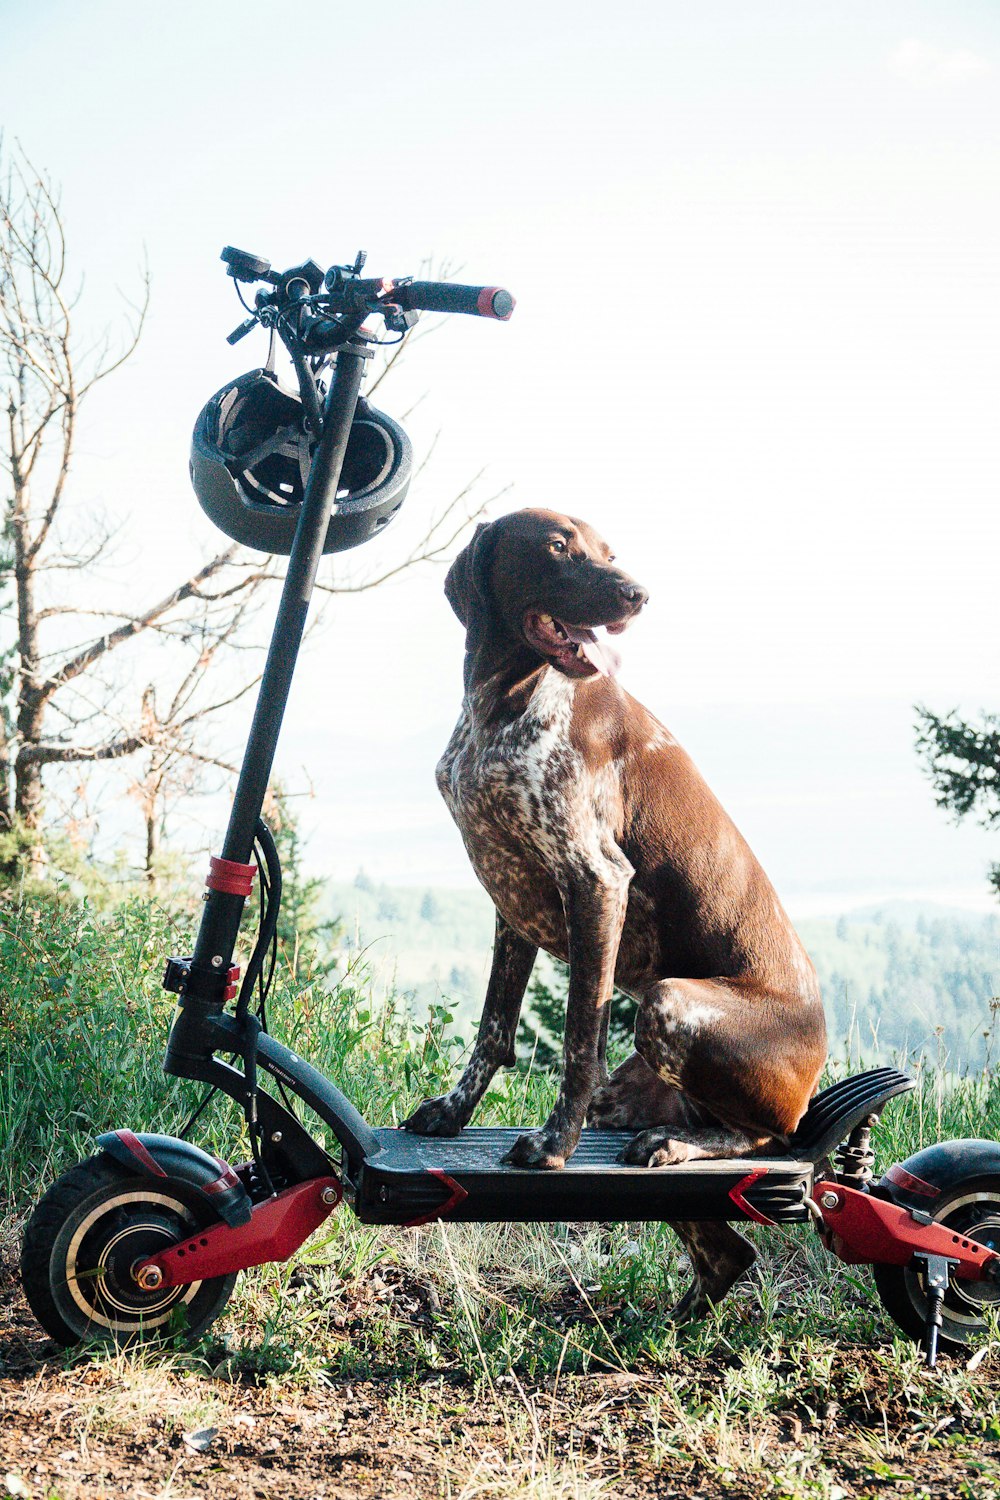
{"x": 115, "y": 638}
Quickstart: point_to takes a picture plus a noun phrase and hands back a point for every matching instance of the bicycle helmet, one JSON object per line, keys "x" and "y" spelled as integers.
{"x": 251, "y": 456}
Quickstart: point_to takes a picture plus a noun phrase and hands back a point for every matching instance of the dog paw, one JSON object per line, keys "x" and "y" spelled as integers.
{"x": 655, "y": 1148}
{"x": 435, "y": 1117}
{"x": 536, "y": 1149}
{"x": 693, "y": 1306}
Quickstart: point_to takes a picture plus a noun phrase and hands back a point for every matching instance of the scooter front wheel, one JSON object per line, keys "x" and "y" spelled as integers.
{"x": 972, "y": 1209}
{"x": 92, "y": 1228}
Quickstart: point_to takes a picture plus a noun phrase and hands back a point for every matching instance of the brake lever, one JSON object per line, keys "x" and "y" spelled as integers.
{"x": 240, "y": 333}
{"x": 398, "y": 319}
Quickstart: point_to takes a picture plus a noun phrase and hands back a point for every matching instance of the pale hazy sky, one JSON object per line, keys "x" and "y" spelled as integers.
{"x": 756, "y": 251}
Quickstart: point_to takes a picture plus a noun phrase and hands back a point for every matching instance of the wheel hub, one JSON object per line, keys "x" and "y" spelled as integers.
{"x": 150, "y": 1278}
{"x": 110, "y": 1244}
{"x": 980, "y": 1294}
{"x": 120, "y": 1287}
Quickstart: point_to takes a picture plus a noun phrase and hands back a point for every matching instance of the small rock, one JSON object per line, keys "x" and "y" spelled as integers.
{"x": 201, "y": 1441}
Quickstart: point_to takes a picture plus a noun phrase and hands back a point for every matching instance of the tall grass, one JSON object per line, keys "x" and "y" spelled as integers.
{"x": 83, "y": 1022}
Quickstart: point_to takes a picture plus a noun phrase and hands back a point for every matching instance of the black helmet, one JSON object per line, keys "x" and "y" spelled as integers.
{"x": 250, "y": 459}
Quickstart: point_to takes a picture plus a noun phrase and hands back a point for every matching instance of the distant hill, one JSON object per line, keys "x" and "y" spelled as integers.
{"x": 904, "y": 976}
{"x": 426, "y": 944}
{"x": 911, "y": 977}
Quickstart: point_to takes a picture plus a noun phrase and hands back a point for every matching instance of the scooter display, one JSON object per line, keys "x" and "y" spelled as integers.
{"x": 152, "y": 1230}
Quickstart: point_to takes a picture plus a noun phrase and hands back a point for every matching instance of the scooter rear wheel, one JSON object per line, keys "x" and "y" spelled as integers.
{"x": 973, "y": 1209}
{"x": 88, "y": 1232}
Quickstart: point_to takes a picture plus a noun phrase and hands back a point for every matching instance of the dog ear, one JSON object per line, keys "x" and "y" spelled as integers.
{"x": 466, "y": 586}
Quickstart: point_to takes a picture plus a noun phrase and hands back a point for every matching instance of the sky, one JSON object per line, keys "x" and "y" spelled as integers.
{"x": 757, "y": 345}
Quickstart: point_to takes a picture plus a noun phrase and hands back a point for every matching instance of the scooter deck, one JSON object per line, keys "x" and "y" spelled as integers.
{"x": 414, "y": 1180}
{"x": 409, "y": 1179}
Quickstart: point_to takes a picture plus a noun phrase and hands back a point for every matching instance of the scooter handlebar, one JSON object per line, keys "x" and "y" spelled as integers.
{"x": 451, "y": 297}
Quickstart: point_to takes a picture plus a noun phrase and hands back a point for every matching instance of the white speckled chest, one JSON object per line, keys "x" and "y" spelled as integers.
{"x": 520, "y": 796}
{"x": 533, "y": 814}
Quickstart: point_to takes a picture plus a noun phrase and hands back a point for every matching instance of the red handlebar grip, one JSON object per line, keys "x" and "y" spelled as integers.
{"x": 494, "y": 302}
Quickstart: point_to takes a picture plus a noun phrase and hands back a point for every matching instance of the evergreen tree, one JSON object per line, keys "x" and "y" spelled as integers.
{"x": 303, "y": 931}
{"x": 543, "y": 1019}
{"x": 430, "y": 910}
{"x": 963, "y": 762}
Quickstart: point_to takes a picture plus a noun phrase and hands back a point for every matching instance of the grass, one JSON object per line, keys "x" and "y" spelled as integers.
{"x": 556, "y": 1339}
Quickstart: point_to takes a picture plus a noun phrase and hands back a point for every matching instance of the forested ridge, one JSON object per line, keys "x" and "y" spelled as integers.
{"x": 899, "y": 977}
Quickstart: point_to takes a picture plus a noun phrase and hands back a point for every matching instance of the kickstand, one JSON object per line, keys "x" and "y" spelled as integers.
{"x": 937, "y": 1277}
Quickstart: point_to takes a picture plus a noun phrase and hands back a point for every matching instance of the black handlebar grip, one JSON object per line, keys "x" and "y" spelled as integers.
{"x": 450, "y": 297}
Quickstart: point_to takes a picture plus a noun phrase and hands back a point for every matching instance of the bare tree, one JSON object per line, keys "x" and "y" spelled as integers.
{"x": 55, "y": 707}
{"x": 60, "y": 700}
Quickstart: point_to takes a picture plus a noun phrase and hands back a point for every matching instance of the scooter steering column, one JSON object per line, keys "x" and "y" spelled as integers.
{"x": 203, "y": 990}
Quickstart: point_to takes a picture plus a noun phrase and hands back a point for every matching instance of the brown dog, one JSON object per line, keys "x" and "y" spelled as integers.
{"x": 598, "y": 841}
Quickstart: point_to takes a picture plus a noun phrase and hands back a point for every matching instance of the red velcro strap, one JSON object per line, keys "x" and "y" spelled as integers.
{"x": 132, "y": 1143}
{"x": 226, "y": 1180}
{"x": 229, "y": 876}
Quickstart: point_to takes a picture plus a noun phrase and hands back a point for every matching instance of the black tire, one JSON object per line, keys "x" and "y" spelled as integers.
{"x": 973, "y": 1209}
{"x": 87, "y": 1232}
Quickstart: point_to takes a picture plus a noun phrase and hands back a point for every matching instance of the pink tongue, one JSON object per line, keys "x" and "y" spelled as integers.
{"x": 598, "y": 653}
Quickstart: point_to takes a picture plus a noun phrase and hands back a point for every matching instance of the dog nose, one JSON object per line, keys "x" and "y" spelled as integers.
{"x": 634, "y": 593}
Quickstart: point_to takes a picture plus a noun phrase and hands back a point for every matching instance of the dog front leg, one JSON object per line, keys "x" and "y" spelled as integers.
{"x": 513, "y": 960}
{"x": 595, "y": 913}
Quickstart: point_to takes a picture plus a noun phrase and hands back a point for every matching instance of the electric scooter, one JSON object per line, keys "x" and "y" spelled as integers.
{"x": 151, "y": 1231}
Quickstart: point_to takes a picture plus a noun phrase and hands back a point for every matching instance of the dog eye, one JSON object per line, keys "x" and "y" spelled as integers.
{"x": 557, "y": 546}
{"x": 611, "y": 557}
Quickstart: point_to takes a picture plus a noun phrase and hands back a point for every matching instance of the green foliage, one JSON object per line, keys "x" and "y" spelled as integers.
{"x": 8, "y": 659}
{"x": 913, "y": 982}
{"x": 540, "y": 1029}
{"x": 72, "y": 868}
{"x": 479, "y": 1312}
{"x": 15, "y": 845}
{"x": 963, "y": 762}
{"x": 422, "y": 944}
{"x": 915, "y": 978}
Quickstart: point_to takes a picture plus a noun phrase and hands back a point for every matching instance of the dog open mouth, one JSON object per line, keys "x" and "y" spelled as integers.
{"x": 576, "y": 649}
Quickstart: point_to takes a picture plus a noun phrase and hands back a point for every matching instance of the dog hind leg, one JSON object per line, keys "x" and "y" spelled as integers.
{"x": 669, "y": 1145}
{"x": 719, "y": 1256}
{"x": 725, "y": 1054}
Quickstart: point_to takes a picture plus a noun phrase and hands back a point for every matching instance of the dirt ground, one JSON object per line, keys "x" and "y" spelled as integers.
{"x": 114, "y": 1427}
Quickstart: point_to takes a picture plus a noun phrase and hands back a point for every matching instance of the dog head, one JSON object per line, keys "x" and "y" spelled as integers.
{"x": 546, "y": 584}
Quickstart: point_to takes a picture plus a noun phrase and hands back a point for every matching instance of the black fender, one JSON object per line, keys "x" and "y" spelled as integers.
{"x": 834, "y": 1113}
{"x": 166, "y": 1156}
{"x": 921, "y": 1180}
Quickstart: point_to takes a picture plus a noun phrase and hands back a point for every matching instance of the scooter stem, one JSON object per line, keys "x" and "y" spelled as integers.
{"x": 222, "y": 912}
